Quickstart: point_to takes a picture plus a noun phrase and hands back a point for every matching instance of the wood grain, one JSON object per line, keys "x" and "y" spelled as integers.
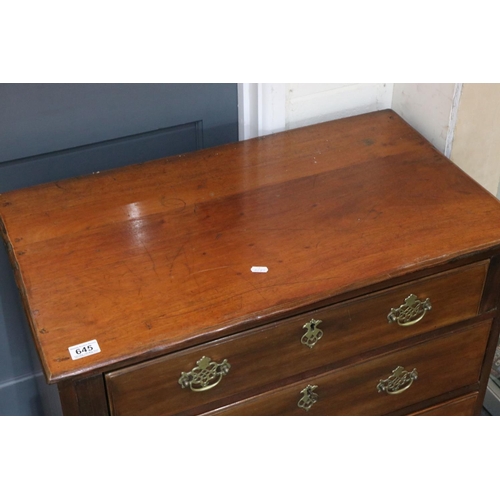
{"x": 84, "y": 397}
{"x": 443, "y": 364}
{"x": 272, "y": 353}
{"x": 459, "y": 407}
{"x": 153, "y": 258}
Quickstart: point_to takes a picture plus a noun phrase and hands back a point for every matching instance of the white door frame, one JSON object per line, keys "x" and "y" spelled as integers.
{"x": 261, "y": 109}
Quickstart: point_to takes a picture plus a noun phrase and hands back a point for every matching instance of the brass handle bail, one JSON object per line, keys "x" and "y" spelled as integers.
{"x": 206, "y": 375}
{"x": 398, "y": 382}
{"x": 411, "y": 312}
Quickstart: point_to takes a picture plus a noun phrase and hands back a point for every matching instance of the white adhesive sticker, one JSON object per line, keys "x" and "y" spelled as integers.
{"x": 85, "y": 349}
{"x": 259, "y": 269}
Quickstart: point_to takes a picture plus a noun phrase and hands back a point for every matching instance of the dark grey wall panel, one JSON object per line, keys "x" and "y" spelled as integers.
{"x": 101, "y": 156}
{"x": 15, "y": 340}
{"x": 42, "y": 118}
{"x": 20, "y": 397}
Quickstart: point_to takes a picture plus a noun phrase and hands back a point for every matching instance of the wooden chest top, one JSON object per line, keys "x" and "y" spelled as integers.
{"x": 155, "y": 257}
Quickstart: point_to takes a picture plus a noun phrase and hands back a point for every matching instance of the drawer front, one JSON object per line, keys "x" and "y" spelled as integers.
{"x": 293, "y": 346}
{"x": 459, "y": 407}
{"x": 432, "y": 368}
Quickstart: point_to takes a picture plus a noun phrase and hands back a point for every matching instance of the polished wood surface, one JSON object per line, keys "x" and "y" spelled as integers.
{"x": 350, "y": 217}
{"x": 275, "y": 352}
{"x": 353, "y": 390}
{"x": 460, "y": 407}
{"x": 156, "y": 257}
{"x": 85, "y": 397}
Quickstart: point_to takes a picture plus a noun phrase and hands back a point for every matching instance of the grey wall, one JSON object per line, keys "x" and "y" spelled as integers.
{"x": 53, "y": 131}
{"x": 42, "y": 118}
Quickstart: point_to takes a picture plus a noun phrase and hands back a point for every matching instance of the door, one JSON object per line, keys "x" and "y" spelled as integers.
{"x": 54, "y": 131}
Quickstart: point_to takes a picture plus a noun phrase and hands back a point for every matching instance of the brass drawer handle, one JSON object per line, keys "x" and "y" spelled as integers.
{"x": 398, "y": 382}
{"x": 313, "y": 334}
{"x": 411, "y": 312}
{"x": 308, "y": 397}
{"x": 206, "y": 375}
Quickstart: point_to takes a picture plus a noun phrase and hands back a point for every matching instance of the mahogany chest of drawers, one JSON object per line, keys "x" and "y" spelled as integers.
{"x": 345, "y": 268}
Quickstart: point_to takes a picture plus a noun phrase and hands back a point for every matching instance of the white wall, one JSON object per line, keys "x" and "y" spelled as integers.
{"x": 266, "y": 108}
{"x": 308, "y": 103}
{"x": 460, "y": 120}
{"x": 476, "y": 145}
{"x": 428, "y": 107}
